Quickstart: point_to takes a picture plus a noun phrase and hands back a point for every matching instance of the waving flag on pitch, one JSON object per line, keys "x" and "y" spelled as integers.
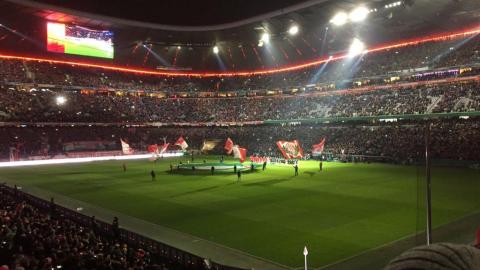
{"x": 209, "y": 145}
{"x": 229, "y": 146}
{"x": 126, "y": 149}
{"x": 290, "y": 149}
{"x": 153, "y": 148}
{"x": 239, "y": 152}
{"x": 163, "y": 148}
{"x": 182, "y": 143}
{"x": 317, "y": 149}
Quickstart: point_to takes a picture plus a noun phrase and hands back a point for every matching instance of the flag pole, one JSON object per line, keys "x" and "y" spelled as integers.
{"x": 305, "y": 253}
{"x": 428, "y": 163}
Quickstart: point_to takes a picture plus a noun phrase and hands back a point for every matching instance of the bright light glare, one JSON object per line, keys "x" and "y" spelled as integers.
{"x": 356, "y": 48}
{"x": 339, "y": 19}
{"x": 359, "y": 14}
{"x": 60, "y": 100}
{"x": 265, "y": 38}
{"x": 82, "y": 160}
{"x": 215, "y": 50}
{"x": 395, "y": 4}
{"x": 293, "y": 30}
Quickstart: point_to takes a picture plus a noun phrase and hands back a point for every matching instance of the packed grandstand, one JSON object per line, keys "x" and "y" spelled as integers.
{"x": 243, "y": 104}
{"x": 404, "y": 103}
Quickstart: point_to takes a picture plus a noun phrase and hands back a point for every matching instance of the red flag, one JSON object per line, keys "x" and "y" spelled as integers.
{"x": 240, "y": 153}
{"x": 317, "y": 149}
{"x": 126, "y": 149}
{"x": 182, "y": 143}
{"x": 153, "y": 148}
{"x": 229, "y": 145}
{"x": 164, "y": 148}
{"x": 290, "y": 149}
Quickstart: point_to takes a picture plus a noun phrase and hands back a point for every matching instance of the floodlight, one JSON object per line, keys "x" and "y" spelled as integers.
{"x": 356, "y": 48}
{"x": 339, "y": 19}
{"x": 293, "y": 30}
{"x": 215, "y": 50}
{"x": 265, "y": 38}
{"x": 358, "y": 14}
{"x": 60, "y": 100}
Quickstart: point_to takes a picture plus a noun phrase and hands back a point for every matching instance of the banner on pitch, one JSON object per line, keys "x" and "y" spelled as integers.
{"x": 208, "y": 145}
{"x": 317, "y": 149}
{"x": 290, "y": 149}
{"x": 163, "y": 148}
{"x": 126, "y": 149}
{"x": 182, "y": 143}
{"x": 153, "y": 148}
{"x": 240, "y": 153}
{"x": 229, "y": 146}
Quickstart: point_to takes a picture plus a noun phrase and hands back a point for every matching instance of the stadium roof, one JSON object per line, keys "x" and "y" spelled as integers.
{"x": 182, "y": 33}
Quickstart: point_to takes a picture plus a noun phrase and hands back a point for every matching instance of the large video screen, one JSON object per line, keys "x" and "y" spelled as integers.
{"x": 74, "y": 39}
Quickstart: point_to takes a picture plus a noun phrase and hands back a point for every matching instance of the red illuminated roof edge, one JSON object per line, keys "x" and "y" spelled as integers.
{"x": 293, "y": 67}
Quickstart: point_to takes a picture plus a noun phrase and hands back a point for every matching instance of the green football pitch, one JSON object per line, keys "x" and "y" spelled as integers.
{"x": 342, "y": 211}
{"x": 87, "y": 49}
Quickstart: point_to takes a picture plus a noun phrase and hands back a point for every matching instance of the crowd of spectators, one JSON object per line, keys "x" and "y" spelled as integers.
{"x": 82, "y": 32}
{"x": 19, "y": 103}
{"x": 395, "y": 61}
{"x": 39, "y": 239}
{"x": 402, "y": 143}
{"x": 34, "y": 106}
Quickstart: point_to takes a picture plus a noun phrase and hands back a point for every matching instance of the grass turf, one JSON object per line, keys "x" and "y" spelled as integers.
{"x": 337, "y": 213}
{"x": 86, "y": 49}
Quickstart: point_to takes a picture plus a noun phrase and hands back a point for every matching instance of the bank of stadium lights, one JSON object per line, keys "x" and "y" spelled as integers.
{"x": 357, "y": 47}
{"x": 339, "y": 19}
{"x": 356, "y": 15}
{"x": 215, "y": 50}
{"x": 394, "y": 4}
{"x": 264, "y": 39}
{"x": 60, "y": 100}
{"x": 293, "y": 30}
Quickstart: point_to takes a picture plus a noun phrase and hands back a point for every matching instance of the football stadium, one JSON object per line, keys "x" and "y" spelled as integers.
{"x": 235, "y": 135}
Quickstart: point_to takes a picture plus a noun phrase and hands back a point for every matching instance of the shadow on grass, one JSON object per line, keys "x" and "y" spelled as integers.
{"x": 208, "y": 172}
{"x": 269, "y": 182}
{"x": 72, "y": 173}
{"x": 195, "y": 191}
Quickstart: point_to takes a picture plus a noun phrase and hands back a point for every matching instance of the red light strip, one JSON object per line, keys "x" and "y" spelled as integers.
{"x": 319, "y": 61}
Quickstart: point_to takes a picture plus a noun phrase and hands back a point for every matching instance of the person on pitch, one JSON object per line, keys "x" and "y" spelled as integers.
{"x": 235, "y": 168}
{"x": 124, "y": 166}
{"x": 239, "y": 175}
{"x": 296, "y": 169}
{"x": 321, "y": 165}
{"x": 154, "y": 177}
{"x": 212, "y": 170}
{"x": 264, "y": 166}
